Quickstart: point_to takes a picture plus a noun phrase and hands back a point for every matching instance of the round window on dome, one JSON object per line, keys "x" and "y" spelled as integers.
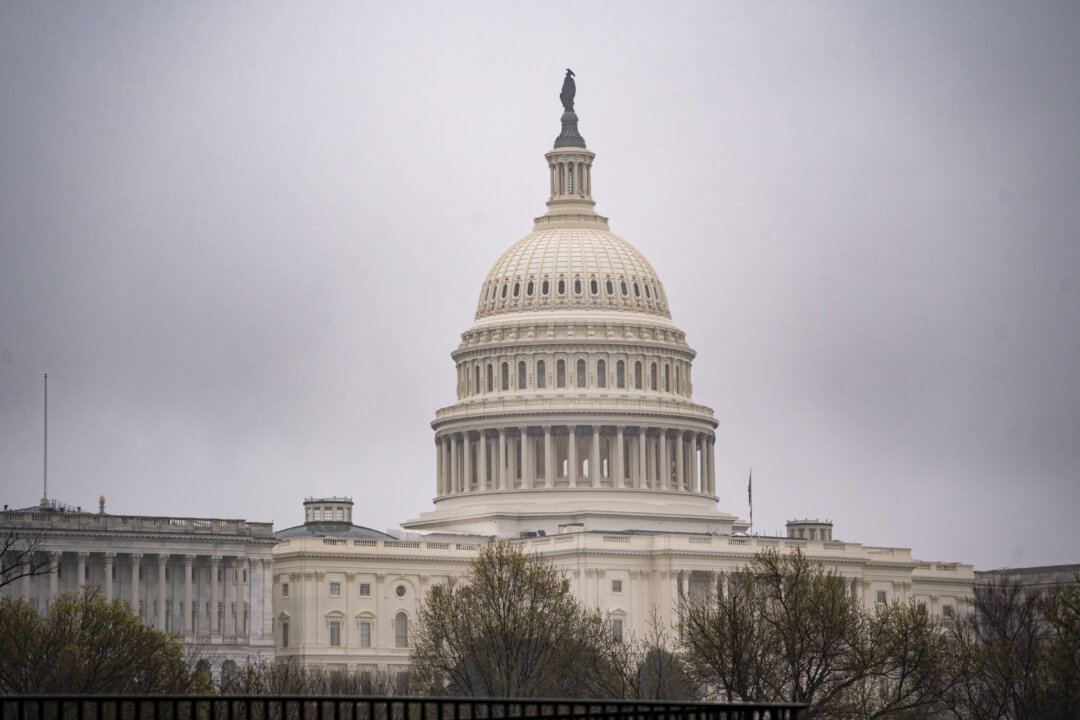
{"x": 517, "y": 289}
{"x": 529, "y": 289}
{"x": 593, "y": 287}
{"x": 544, "y": 288}
{"x": 562, "y": 287}
{"x": 610, "y": 288}
{"x": 622, "y": 286}
{"x": 577, "y": 287}
{"x": 637, "y": 290}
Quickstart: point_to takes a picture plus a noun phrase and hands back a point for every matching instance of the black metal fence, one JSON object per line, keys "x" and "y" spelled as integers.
{"x": 295, "y": 707}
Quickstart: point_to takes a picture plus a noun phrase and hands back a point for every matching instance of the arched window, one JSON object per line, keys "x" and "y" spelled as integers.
{"x": 494, "y": 291}
{"x": 620, "y": 375}
{"x": 678, "y": 387}
{"x": 581, "y": 381}
{"x": 647, "y": 291}
{"x": 476, "y": 388}
{"x": 401, "y": 630}
{"x": 637, "y": 290}
{"x": 667, "y": 378}
{"x": 544, "y": 287}
{"x": 521, "y": 375}
{"x": 601, "y": 373}
{"x": 652, "y": 376}
{"x": 529, "y": 288}
{"x": 506, "y": 376}
{"x": 517, "y": 289}
{"x": 637, "y": 375}
{"x": 577, "y": 287}
{"x": 593, "y": 287}
{"x": 610, "y": 288}
{"x": 560, "y": 373}
{"x": 541, "y": 374}
{"x": 562, "y": 287}
{"x": 490, "y": 378}
{"x": 622, "y": 286}
{"x": 504, "y": 291}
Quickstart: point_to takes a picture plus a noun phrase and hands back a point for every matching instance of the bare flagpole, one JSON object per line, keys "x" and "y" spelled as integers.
{"x": 45, "y": 459}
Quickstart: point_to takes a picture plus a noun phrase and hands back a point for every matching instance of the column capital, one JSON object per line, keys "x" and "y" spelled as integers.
{"x": 215, "y": 559}
{"x": 162, "y": 558}
{"x": 83, "y": 555}
{"x": 136, "y": 557}
{"x": 189, "y": 560}
{"x": 109, "y": 556}
{"x": 620, "y": 428}
{"x": 572, "y": 429}
{"x": 55, "y": 556}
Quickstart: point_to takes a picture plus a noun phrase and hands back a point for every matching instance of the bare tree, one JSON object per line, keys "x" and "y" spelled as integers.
{"x": 21, "y": 555}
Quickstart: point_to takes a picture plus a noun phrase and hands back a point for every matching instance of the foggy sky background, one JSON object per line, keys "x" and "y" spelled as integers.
{"x": 243, "y": 238}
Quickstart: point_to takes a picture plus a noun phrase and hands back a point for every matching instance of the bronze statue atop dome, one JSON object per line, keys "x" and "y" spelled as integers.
{"x": 569, "y": 89}
{"x": 569, "y": 137}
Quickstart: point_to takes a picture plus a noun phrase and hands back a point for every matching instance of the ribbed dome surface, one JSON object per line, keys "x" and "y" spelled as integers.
{"x": 572, "y": 268}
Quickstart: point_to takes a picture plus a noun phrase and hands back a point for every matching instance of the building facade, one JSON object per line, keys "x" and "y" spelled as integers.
{"x": 206, "y": 579}
{"x": 575, "y": 433}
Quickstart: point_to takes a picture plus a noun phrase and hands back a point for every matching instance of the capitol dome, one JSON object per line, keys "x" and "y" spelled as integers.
{"x": 573, "y": 268}
{"x": 574, "y": 395}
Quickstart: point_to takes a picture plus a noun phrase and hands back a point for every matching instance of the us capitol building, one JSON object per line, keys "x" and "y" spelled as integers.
{"x": 575, "y": 434}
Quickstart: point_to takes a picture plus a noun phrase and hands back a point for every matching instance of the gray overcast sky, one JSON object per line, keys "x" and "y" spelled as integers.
{"x": 243, "y": 238}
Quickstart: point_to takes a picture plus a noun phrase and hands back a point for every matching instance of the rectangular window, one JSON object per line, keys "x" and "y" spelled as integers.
{"x": 335, "y": 589}
{"x": 335, "y": 634}
{"x": 284, "y": 590}
{"x": 616, "y": 586}
{"x": 365, "y": 634}
{"x": 946, "y": 610}
{"x": 284, "y": 634}
{"x": 881, "y": 596}
{"x": 616, "y": 629}
{"x": 365, "y": 589}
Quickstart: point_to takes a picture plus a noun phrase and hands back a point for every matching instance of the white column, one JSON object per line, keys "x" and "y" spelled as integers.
{"x": 594, "y": 457}
{"x": 680, "y": 458}
{"x": 684, "y": 579}
{"x": 109, "y": 557}
{"x": 189, "y": 560}
{"x": 693, "y": 463}
{"x": 134, "y": 595}
{"x": 80, "y": 570}
{"x": 571, "y": 456}
{"x": 620, "y": 473}
{"x": 664, "y": 481}
{"x": 482, "y": 453}
{"x": 549, "y": 458}
{"x": 466, "y": 448}
{"x": 503, "y": 472}
{"x": 641, "y": 480}
{"x": 439, "y": 470}
{"x": 230, "y": 596}
{"x": 28, "y": 562}
{"x": 455, "y": 480}
{"x": 54, "y": 576}
{"x": 528, "y": 459}
{"x": 511, "y": 461}
{"x": 162, "y": 561}
{"x": 215, "y": 597}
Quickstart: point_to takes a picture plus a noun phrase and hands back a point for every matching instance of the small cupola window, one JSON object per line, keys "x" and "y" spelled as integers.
{"x": 504, "y": 291}
{"x": 562, "y": 287}
{"x": 577, "y": 287}
{"x": 529, "y": 289}
{"x": 544, "y": 288}
{"x": 610, "y": 288}
{"x": 637, "y": 290}
{"x": 593, "y": 287}
{"x": 622, "y": 286}
{"x": 517, "y": 289}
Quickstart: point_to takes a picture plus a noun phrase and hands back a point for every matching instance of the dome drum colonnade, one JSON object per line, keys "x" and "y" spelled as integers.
{"x": 573, "y": 384}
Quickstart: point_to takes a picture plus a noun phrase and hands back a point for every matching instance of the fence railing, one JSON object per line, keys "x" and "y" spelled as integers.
{"x": 294, "y": 707}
